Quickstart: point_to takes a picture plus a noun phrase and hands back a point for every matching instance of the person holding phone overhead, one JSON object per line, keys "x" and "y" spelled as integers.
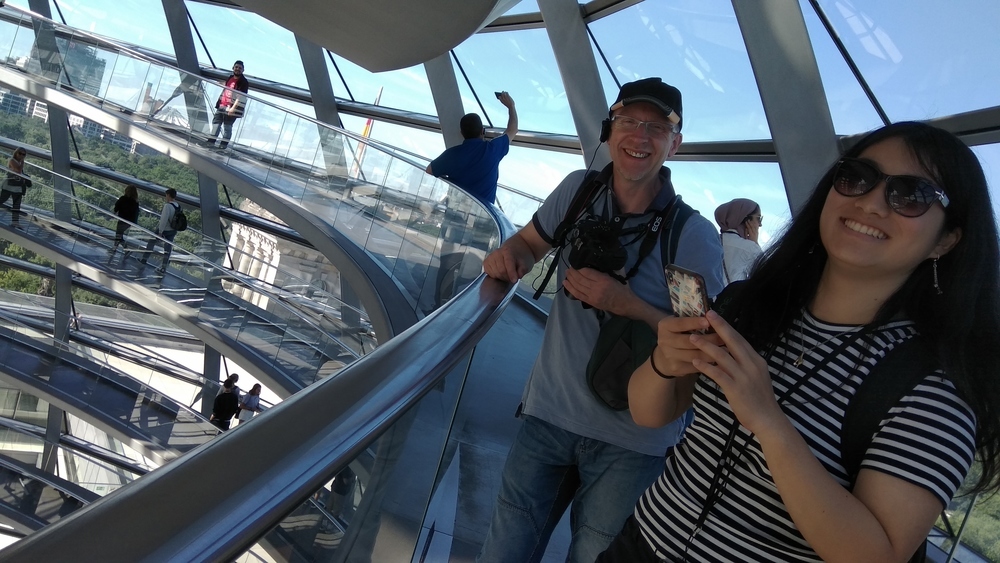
{"x": 894, "y": 258}
{"x": 474, "y": 165}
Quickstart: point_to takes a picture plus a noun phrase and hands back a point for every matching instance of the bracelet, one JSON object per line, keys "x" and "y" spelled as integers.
{"x": 652, "y": 364}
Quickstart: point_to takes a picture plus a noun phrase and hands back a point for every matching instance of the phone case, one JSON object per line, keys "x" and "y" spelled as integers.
{"x": 687, "y": 292}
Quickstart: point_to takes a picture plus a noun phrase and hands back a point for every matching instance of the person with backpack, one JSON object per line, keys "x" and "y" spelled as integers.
{"x": 893, "y": 259}
{"x": 614, "y": 231}
{"x": 172, "y": 220}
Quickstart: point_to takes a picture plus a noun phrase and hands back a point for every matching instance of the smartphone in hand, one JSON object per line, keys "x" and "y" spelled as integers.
{"x": 497, "y": 94}
{"x": 688, "y": 296}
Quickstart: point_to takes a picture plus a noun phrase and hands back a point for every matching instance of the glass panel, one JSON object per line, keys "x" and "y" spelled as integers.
{"x": 523, "y": 7}
{"x": 707, "y": 185}
{"x": 267, "y": 49}
{"x": 376, "y": 506}
{"x": 920, "y": 60}
{"x": 412, "y": 142}
{"x": 850, "y": 108}
{"x": 343, "y": 182}
{"x": 695, "y": 45}
{"x": 406, "y": 88}
{"x": 536, "y": 87}
{"x": 989, "y": 156}
{"x": 139, "y": 22}
{"x": 537, "y": 172}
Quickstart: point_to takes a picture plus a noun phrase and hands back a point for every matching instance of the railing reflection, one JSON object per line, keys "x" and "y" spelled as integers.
{"x": 380, "y": 201}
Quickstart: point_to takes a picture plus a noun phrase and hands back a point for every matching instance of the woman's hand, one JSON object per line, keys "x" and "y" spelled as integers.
{"x": 740, "y": 372}
{"x": 675, "y": 351}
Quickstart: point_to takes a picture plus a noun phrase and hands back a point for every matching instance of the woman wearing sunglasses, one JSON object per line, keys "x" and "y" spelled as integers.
{"x": 897, "y": 240}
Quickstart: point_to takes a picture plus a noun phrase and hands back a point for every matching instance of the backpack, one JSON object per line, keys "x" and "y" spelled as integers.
{"x": 891, "y": 379}
{"x": 179, "y": 221}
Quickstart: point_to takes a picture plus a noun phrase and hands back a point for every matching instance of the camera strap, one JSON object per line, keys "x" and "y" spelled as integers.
{"x": 593, "y": 183}
{"x": 653, "y": 229}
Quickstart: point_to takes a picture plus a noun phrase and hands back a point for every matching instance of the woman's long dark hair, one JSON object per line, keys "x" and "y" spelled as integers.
{"x": 963, "y": 324}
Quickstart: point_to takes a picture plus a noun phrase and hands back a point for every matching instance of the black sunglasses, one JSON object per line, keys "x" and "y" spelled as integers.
{"x": 910, "y": 196}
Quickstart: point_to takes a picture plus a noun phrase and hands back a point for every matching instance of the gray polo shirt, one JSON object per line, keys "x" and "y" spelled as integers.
{"x": 557, "y": 390}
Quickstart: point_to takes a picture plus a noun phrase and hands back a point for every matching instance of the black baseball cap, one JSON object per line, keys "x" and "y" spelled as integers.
{"x": 654, "y": 91}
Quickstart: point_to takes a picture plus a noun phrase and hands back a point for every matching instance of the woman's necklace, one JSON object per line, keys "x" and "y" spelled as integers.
{"x": 802, "y": 343}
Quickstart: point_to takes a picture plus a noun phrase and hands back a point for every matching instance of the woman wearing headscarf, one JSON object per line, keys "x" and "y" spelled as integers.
{"x": 740, "y": 221}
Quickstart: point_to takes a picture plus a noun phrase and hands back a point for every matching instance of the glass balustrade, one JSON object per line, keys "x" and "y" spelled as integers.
{"x": 429, "y": 236}
{"x": 374, "y": 509}
{"x": 99, "y": 332}
{"x": 349, "y": 324}
{"x": 269, "y": 329}
{"x": 86, "y": 471}
{"x": 518, "y": 206}
{"x": 167, "y": 427}
{"x": 33, "y": 499}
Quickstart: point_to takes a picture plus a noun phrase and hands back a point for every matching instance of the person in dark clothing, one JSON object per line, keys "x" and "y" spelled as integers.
{"x": 226, "y": 405}
{"x": 230, "y": 105}
{"x": 127, "y": 209}
{"x": 15, "y": 184}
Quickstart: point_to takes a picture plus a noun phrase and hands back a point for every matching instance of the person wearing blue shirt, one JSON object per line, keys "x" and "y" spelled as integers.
{"x": 474, "y": 165}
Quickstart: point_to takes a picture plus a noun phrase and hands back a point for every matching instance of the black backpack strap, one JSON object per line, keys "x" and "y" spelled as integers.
{"x": 726, "y": 303}
{"x": 592, "y": 183}
{"x": 672, "y": 230}
{"x": 892, "y": 378}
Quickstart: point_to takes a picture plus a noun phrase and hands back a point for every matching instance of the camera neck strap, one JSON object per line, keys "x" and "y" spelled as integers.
{"x": 593, "y": 183}
{"x": 656, "y": 225}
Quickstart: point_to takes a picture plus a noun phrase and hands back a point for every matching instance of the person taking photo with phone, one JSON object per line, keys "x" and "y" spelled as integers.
{"x": 474, "y": 165}
{"x": 893, "y": 260}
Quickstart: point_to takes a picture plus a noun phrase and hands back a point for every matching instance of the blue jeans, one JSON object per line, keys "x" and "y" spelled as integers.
{"x": 548, "y": 467}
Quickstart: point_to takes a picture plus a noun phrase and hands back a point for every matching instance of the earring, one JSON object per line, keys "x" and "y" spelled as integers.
{"x": 936, "y": 285}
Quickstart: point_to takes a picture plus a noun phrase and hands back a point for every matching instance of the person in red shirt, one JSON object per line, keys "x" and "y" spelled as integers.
{"x": 229, "y": 106}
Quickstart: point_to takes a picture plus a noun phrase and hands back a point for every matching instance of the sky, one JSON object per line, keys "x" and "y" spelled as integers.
{"x": 693, "y": 44}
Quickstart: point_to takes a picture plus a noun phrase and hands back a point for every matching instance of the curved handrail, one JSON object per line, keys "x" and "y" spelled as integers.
{"x": 305, "y": 161}
{"x": 298, "y": 329}
{"x": 246, "y": 262}
{"x": 322, "y": 429}
{"x": 196, "y": 429}
{"x": 200, "y": 261}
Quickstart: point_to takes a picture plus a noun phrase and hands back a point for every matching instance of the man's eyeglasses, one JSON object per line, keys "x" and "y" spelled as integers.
{"x": 653, "y": 128}
{"x": 910, "y": 196}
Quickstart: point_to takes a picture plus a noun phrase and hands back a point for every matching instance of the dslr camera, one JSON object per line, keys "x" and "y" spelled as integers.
{"x": 594, "y": 244}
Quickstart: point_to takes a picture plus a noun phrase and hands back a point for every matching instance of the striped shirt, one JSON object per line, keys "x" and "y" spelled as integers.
{"x": 927, "y": 439}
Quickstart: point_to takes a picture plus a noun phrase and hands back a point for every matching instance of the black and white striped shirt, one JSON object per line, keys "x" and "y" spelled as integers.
{"x": 927, "y": 439}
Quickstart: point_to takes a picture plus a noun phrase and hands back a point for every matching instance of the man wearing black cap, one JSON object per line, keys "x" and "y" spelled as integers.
{"x": 573, "y": 445}
{"x": 474, "y": 165}
{"x": 229, "y": 106}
